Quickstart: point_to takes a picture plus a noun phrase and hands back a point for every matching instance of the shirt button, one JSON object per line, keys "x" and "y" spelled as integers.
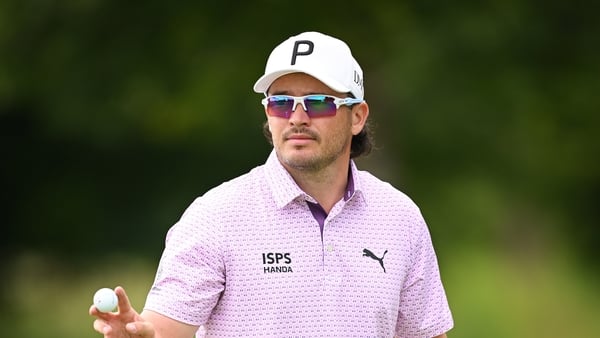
{"x": 329, "y": 247}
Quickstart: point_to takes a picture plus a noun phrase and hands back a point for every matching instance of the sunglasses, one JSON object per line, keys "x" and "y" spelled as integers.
{"x": 314, "y": 105}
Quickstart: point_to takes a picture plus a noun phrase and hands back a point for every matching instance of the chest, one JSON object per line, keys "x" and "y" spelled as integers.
{"x": 356, "y": 254}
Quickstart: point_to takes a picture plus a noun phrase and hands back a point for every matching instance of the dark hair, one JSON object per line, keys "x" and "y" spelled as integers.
{"x": 362, "y": 143}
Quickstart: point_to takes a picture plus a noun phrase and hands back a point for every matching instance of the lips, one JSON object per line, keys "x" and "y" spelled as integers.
{"x": 299, "y": 140}
{"x": 300, "y": 135}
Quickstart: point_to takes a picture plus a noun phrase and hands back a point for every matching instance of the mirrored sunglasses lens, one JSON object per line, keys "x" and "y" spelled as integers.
{"x": 280, "y": 106}
{"x": 320, "y": 106}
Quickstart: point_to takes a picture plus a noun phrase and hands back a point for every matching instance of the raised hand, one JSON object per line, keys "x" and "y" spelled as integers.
{"x": 125, "y": 323}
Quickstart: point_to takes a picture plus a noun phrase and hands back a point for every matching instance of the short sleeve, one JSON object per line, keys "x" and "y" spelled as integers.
{"x": 191, "y": 275}
{"x": 424, "y": 310}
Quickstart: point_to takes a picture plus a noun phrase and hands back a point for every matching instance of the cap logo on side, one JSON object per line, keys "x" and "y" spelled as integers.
{"x": 297, "y": 52}
{"x": 358, "y": 80}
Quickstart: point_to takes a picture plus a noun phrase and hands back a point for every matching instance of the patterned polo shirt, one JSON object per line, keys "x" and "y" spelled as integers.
{"x": 248, "y": 259}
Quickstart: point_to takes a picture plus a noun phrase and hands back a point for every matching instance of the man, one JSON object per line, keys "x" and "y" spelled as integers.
{"x": 306, "y": 244}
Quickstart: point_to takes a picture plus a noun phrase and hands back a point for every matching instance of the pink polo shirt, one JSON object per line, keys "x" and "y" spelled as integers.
{"x": 247, "y": 259}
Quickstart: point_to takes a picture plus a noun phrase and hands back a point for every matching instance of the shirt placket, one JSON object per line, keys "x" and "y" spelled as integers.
{"x": 332, "y": 262}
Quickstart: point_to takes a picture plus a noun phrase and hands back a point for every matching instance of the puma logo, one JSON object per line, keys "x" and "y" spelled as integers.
{"x": 368, "y": 253}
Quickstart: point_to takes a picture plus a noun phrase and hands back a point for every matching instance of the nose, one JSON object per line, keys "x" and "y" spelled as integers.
{"x": 299, "y": 115}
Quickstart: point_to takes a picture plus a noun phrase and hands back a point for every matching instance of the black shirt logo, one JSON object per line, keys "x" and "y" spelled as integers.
{"x": 276, "y": 262}
{"x": 368, "y": 253}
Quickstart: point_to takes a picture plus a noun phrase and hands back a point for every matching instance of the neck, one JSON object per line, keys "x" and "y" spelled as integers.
{"x": 327, "y": 185}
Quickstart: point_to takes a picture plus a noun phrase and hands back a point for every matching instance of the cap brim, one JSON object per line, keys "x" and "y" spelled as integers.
{"x": 265, "y": 81}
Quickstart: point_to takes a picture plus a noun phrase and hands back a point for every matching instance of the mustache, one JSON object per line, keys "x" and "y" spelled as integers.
{"x": 302, "y": 131}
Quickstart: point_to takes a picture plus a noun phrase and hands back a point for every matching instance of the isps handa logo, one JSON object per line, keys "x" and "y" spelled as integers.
{"x": 277, "y": 262}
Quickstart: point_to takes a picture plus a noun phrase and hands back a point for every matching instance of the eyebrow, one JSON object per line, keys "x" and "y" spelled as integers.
{"x": 281, "y": 92}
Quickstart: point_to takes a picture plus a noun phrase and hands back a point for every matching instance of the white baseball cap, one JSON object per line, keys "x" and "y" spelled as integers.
{"x": 321, "y": 56}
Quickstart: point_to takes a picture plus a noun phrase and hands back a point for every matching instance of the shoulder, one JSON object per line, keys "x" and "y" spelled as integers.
{"x": 392, "y": 207}
{"x": 378, "y": 191}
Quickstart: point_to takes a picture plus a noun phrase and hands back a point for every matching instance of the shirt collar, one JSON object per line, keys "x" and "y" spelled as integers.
{"x": 285, "y": 190}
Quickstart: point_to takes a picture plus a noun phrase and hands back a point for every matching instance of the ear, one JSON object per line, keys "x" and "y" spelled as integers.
{"x": 360, "y": 112}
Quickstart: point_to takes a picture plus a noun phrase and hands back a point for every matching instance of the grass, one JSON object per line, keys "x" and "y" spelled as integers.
{"x": 494, "y": 295}
{"x": 50, "y": 298}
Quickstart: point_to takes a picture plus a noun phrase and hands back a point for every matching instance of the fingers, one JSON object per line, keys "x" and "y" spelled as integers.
{"x": 93, "y": 311}
{"x": 101, "y": 327}
{"x": 116, "y": 323}
{"x": 124, "y": 303}
{"x": 143, "y": 328}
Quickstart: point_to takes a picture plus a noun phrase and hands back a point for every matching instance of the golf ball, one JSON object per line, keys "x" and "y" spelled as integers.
{"x": 105, "y": 300}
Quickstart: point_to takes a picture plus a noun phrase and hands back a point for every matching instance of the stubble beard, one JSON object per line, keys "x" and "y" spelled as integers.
{"x": 310, "y": 163}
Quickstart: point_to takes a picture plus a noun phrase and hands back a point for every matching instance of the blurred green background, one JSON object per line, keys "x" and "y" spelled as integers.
{"x": 115, "y": 115}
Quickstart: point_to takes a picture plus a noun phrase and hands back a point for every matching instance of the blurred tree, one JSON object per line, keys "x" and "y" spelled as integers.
{"x": 114, "y": 116}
